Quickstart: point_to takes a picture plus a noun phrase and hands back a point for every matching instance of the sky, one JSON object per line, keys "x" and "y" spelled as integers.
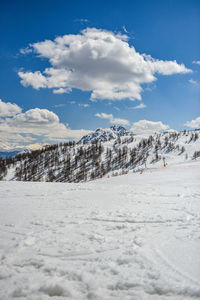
{"x": 70, "y": 67}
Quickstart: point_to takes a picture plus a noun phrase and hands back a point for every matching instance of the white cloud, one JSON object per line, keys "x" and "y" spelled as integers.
{"x": 35, "y": 146}
{"x": 59, "y": 105}
{"x": 172, "y": 130}
{"x": 104, "y": 116}
{"x": 81, "y": 20}
{"x": 118, "y": 121}
{"x": 25, "y": 51}
{"x": 197, "y": 62}
{"x": 140, "y": 106}
{"x": 194, "y": 123}
{"x": 34, "y": 117}
{"x": 194, "y": 82}
{"x": 84, "y": 105}
{"x": 62, "y": 90}
{"x": 124, "y": 28}
{"x": 8, "y": 109}
{"x": 99, "y": 61}
{"x": 117, "y": 108}
{"x": 148, "y": 127}
{"x": 11, "y": 141}
{"x": 36, "y": 79}
{"x": 114, "y": 121}
{"x": 35, "y": 126}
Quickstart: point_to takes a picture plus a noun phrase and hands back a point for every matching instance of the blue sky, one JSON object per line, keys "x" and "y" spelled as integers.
{"x": 52, "y": 90}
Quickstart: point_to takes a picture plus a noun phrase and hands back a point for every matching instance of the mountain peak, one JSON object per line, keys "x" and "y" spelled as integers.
{"x": 105, "y": 134}
{"x": 117, "y": 128}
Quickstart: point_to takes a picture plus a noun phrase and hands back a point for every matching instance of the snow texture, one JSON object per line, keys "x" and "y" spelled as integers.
{"x": 128, "y": 237}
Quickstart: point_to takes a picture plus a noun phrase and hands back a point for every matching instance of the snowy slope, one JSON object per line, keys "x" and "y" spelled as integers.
{"x": 92, "y": 159}
{"x": 128, "y": 237}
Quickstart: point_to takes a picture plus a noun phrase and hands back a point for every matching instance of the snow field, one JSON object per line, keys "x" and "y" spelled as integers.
{"x": 128, "y": 237}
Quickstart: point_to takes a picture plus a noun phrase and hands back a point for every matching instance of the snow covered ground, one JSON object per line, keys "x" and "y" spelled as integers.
{"x": 135, "y": 236}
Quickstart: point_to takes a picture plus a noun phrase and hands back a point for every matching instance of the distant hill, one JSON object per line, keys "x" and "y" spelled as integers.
{"x": 13, "y": 153}
{"x": 6, "y": 154}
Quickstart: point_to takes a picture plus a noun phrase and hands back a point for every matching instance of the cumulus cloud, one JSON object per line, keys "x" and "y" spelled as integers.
{"x": 140, "y": 106}
{"x": 36, "y": 79}
{"x": 8, "y": 109}
{"x": 114, "y": 121}
{"x": 35, "y": 126}
{"x": 194, "y": 123}
{"x": 34, "y": 117}
{"x": 62, "y": 90}
{"x": 148, "y": 127}
{"x": 118, "y": 121}
{"x": 99, "y": 61}
{"x": 11, "y": 141}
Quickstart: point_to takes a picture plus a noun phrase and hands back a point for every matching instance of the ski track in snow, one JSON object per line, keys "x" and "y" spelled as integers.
{"x": 130, "y": 237}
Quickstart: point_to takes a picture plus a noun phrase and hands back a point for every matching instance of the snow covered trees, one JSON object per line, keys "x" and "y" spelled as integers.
{"x": 196, "y": 154}
{"x": 70, "y": 162}
{"x": 3, "y": 168}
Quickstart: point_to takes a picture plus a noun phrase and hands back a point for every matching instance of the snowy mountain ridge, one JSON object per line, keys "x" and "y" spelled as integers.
{"x": 6, "y": 154}
{"x": 105, "y": 134}
{"x": 93, "y": 158}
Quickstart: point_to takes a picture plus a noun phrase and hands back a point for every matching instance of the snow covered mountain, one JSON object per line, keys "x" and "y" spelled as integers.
{"x": 12, "y": 153}
{"x": 105, "y": 134}
{"x": 104, "y": 153}
{"x": 6, "y": 154}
